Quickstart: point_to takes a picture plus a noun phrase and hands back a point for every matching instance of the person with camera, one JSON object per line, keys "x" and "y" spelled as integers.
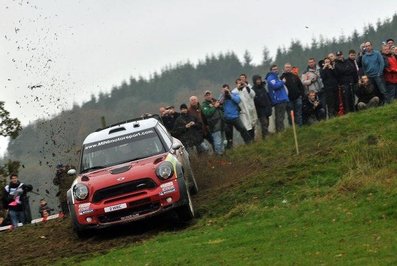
{"x": 366, "y": 94}
{"x": 212, "y": 111}
{"x": 231, "y": 114}
{"x": 188, "y": 130}
{"x": 330, "y": 82}
{"x": 14, "y": 200}
{"x": 248, "y": 113}
{"x": 278, "y": 95}
{"x": 313, "y": 109}
{"x": 263, "y": 104}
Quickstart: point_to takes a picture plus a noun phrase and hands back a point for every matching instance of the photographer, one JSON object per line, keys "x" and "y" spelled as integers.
{"x": 330, "y": 82}
{"x": 313, "y": 109}
{"x": 212, "y": 111}
{"x": 14, "y": 195}
{"x": 231, "y": 114}
{"x": 248, "y": 114}
{"x": 188, "y": 130}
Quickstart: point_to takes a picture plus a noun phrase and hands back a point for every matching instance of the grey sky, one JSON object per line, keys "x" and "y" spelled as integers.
{"x": 77, "y": 48}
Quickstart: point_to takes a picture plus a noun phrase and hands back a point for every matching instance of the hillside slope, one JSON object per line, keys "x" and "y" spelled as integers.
{"x": 261, "y": 204}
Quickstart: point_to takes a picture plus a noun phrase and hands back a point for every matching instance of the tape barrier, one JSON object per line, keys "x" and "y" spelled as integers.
{"x": 35, "y": 221}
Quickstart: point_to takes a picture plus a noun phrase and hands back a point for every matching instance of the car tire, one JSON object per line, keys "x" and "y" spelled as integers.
{"x": 193, "y": 189}
{"x": 186, "y": 212}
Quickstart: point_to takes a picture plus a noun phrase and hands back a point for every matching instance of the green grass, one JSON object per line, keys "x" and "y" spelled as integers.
{"x": 335, "y": 203}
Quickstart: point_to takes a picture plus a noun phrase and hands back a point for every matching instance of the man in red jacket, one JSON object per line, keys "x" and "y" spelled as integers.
{"x": 390, "y": 74}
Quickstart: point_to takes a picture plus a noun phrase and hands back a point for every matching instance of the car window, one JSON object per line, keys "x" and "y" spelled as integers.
{"x": 121, "y": 149}
{"x": 166, "y": 136}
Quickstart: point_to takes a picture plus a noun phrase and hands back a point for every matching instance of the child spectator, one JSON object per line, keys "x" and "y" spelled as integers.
{"x": 44, "y": 209}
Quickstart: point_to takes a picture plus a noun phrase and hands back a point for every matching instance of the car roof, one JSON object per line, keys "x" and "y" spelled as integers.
{"x": 121, "y": 129}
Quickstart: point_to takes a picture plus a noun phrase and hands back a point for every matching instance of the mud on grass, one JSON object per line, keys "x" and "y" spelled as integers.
{"x": 54, "y": 240}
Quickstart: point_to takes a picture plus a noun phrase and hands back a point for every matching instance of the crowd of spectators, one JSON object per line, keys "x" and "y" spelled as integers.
{"x": 332, "y": 86}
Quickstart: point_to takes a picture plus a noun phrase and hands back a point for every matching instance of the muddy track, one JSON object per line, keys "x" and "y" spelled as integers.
{"x": 51, "y": 241}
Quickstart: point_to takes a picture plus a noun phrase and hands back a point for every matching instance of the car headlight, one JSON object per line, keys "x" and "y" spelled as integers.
{"x": 165, "y": 170}
{"x": 80, "y": 191}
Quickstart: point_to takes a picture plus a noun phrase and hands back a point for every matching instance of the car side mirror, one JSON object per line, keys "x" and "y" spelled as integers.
{"x": 176, "y": 146}
{"x": 72, "y": 172}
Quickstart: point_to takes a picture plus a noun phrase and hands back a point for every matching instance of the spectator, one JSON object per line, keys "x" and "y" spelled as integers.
{"x": 248, "y": 113}
{"x": 44, "y": 209}
{"x": 13, "y": 199}
{"x": 366, "y": 94}
{"x": 346, "y": 74}
{"x": 244, "y": 80}
{"x": 373, "y": 66}
{"x": 390, "y": 43}
{"x": 313, "y": 109}
{"x": 332, "y": 57}
{"x": 330, "y": 87}
{"x": 189, "y": 130}
{"x": 195, "y": 110}
{"x": 263, "y": 104}
{"x": 213, "y": 113}
{"x": 231, "y": 114}
{"x": 296, "y": 91}
{"x": 169, "y": 118}
{"x": 278, "y": 95}
{"x": 390, "y": 74}
{"x": 312, "y": 80}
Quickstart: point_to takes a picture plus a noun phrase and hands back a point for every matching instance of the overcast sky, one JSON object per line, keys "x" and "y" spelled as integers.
{"x": 55, "y": 53}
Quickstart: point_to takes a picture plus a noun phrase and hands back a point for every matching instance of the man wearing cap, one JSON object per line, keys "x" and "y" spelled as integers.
{"x": 373, "y": 66}
{"x": 212, "y": 111}
{"x": 347, "y": 77}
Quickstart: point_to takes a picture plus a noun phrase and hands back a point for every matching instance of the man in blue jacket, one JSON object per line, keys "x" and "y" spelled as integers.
{"x": 231, "y": 114}
{"x": 278, "y": 95}
{"x": 373, "y": 66}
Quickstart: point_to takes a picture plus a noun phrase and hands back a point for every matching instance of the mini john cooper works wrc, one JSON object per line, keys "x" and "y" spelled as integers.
{"x": 128, "y": 172}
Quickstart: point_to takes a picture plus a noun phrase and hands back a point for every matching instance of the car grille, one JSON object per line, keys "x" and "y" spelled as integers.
{"x": 122, "y": 189}
{"x": 137, "y": 208}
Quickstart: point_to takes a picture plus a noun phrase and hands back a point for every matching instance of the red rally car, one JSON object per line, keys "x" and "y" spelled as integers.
{"x": 130, "y": 171}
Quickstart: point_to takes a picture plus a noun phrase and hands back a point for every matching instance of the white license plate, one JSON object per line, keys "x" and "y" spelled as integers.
{"x": 116, "y": 207}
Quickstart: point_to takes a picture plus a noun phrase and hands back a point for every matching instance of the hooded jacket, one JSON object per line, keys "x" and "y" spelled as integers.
{"x": 248, "y": 113}
{"x": 262, "y": 100}
{"x": 294, "y": 85}
{"x": 312, "y": 80}
{"x": 277, "y": 92}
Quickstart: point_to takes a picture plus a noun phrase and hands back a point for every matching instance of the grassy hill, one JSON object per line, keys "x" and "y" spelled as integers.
{"x": 335, "y": 203}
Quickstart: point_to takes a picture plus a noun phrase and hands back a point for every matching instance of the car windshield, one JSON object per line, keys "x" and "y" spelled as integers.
{"x": 121, "y": 149}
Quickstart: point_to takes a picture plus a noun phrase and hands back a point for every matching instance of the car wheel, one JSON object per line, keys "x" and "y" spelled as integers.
{"x": 193, "y": 189}
{"x": 186, "y": 212}
{"x": 81, "y": 233}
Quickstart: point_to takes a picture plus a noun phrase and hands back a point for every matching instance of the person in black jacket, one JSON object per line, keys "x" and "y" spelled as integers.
{"x": 366, "y": 94}
{"x": 346, "y": 75}
{"x": 330, "y": 86}
{"x": 188, "y": 130}
{"x": 295, "y": 93}
{"x": 14, "y": 196}
{"x": 313, "y": 109}
{"x": 263, "y": 104}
